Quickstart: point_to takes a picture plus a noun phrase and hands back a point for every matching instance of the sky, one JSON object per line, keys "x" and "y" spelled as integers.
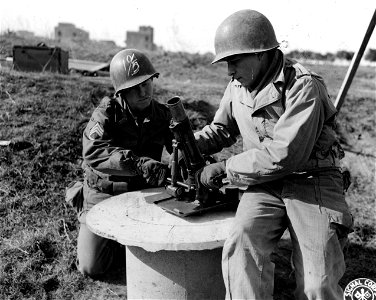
{"x": 190, "y": 25}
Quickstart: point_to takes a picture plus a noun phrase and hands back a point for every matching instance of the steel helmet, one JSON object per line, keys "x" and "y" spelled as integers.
{"x": 129, "y": 68}
{"x": 245, "y": 31}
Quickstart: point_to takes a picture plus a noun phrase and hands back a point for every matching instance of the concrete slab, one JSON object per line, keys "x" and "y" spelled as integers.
{"x": 130, "y": 220}
{"x": 167, "y": 257}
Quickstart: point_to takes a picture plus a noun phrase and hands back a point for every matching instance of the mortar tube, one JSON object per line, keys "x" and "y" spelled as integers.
{"x": 176, "y": 108}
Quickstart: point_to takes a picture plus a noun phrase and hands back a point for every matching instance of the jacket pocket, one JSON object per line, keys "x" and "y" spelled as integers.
{"x": 265, "y": 120}
{"x": 325, "y": 189}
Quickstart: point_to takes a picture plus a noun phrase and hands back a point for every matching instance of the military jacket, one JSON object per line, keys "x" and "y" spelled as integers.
{"x": 114, "y": 139}
{"x": 287, "y": 126}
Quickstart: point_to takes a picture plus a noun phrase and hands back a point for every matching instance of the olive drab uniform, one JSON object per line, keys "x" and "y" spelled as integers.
{"x": 113, "y": 141}
{"x": 275, "y": 122}
{"x": 289, "y": 172}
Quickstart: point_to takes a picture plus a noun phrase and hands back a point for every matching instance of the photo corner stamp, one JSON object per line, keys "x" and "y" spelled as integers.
{"x": 360, "y": 289}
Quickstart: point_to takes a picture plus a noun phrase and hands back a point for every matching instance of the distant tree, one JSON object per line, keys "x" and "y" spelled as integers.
{"x": 294, "y": 54}
{"x": 10, "y": 33}
{"x": 329, "y": 56}
{"x": 311, "y": 55}
{"x": 371, "y": 55}
{"x": 319, "y": 56}
{"x": 343, "y": 54}
{"x": 301, "y": 54}
{"x": 195, "y": 60}
{"x": 308, "y": 54}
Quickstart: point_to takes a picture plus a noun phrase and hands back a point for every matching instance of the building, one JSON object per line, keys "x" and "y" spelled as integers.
{"x": 69, "y": 32}
{"x": 142, "y": 39}
{"x": 107, "y": 43}
{"x": 25, "y": 34}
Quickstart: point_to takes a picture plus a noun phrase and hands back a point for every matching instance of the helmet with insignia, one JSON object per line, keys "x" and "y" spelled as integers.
{"x": 129, "y": 68}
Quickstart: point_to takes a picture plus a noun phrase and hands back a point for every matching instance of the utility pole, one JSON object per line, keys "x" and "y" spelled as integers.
{"x": 354, "y": 65}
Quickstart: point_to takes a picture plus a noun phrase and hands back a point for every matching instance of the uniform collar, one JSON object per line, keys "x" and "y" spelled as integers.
{"x": 141, "y": 119}
{"x": 270, "y": 87}
{"x": 271, "y": 91}
{"x": 274, "y": 73}
{"x": 127, "y": 112}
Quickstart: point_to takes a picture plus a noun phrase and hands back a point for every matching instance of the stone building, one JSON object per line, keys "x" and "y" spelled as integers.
{"x": 142, "y": 39}
{"x": 69, "y": 32}
{"x": 25, "y": 34}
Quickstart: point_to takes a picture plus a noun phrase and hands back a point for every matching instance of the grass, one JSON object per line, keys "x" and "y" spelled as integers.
{"x": 43, "y": 115}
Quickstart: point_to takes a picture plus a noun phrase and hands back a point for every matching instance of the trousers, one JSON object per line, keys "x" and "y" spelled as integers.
{"x": 314, "y": 210}
{"x": 95, "y": 254}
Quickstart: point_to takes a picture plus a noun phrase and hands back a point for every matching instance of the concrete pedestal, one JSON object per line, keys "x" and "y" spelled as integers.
{"x": 174, "y": 274}
{"x": 167, "y": 257}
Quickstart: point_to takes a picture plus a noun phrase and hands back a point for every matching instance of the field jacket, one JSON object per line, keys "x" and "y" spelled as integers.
{"x": 286, "y": 126}
{"x": 114, "y": 139}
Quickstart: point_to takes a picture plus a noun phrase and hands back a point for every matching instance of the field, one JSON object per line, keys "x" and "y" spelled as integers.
{"x": 43, "y": 115}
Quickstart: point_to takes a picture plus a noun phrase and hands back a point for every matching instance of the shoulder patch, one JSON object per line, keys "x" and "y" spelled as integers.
{"x": 105, "y": 101}
{"x": 96, "y": 131}
{"x": 107, "y": 107}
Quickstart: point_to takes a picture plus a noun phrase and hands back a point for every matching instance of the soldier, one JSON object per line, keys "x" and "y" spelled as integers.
{"x": 122, "y": 149}
{"x": 289, "y": 168}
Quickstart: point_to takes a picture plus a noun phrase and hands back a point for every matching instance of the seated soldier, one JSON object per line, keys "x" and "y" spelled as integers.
{"x": 289, "y": 168}
{"x": 122, "y": 149}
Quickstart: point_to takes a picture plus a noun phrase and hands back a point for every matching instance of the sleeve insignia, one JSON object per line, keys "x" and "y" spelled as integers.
{"x": 96, "y": 132}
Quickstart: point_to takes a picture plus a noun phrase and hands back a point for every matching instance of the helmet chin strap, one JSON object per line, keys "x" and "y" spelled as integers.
{"x": 260, "y": 56}
{"x": 135, "y": 114}
{"x": 121, "y": 100}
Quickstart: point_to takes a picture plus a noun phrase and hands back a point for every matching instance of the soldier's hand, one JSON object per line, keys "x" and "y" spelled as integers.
{"x": 211, "y": 175}
{"x": 153, "y": 171}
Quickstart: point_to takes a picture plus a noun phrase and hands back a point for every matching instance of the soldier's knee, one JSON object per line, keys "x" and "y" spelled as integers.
{"x": 90, "y": 269}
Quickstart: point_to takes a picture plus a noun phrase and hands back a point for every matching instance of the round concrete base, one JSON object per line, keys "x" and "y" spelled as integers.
{"x": 174, "y": 274}
{"x": 167, "y": 257}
